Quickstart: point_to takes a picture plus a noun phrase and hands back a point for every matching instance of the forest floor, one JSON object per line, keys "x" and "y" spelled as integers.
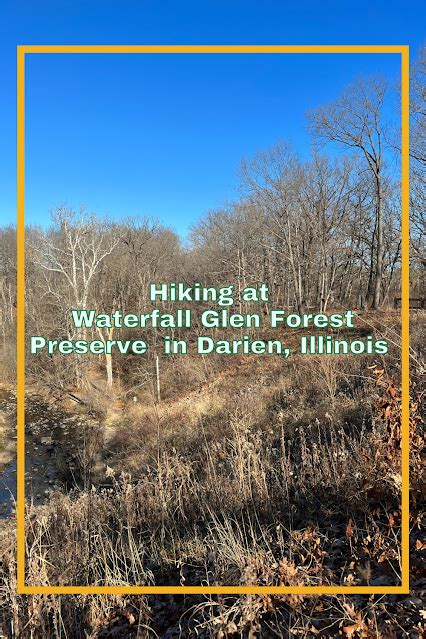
{"x": 254, "y": 471}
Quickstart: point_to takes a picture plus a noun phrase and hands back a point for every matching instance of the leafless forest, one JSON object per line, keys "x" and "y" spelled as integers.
{"x": 208, "y": 470}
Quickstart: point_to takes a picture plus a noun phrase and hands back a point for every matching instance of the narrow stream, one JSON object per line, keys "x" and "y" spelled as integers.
{"x": 50, "y": 447}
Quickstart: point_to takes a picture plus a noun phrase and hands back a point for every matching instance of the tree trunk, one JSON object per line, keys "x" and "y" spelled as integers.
{"x": 108, "y": 357}
{"x": 380, "y": 246}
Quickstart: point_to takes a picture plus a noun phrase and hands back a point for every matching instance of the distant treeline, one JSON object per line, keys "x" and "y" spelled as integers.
{"x": 323, "y": 233}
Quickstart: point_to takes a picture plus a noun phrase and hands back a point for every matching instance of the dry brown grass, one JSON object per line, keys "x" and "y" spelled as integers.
{"x": 269, "y": 475}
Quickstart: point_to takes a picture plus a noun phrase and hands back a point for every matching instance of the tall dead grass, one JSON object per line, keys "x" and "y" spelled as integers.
{"x": 293, "y": 479}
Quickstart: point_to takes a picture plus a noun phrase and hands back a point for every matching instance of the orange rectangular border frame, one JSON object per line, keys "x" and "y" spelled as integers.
{"x": 22, "y": 51}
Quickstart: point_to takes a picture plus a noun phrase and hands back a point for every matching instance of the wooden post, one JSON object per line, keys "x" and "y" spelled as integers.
{"x": 157, "y": 370}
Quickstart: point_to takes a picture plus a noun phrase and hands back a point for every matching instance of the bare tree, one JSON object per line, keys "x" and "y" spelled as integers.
{"x": 355, "y": 120}
{"x": 70, "y": 254}
{"x": 273, "y": 178}
{"x": 418, "y": 163}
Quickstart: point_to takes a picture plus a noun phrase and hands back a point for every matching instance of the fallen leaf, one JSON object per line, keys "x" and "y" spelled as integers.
{"x": 350, "y": 630}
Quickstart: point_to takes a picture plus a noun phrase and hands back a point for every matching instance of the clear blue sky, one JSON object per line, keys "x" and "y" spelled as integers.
{"x": 164, "y": 135}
